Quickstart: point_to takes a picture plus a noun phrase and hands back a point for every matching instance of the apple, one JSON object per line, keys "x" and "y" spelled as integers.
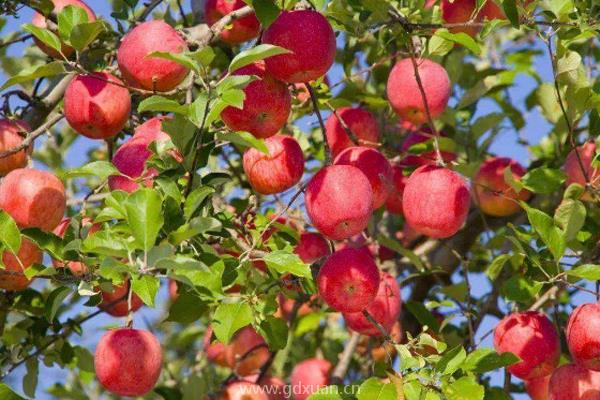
{"x": 435, "y": 201}
{"x": 393, "y": 204}
{"x": 359, "y": 121}
{"x": 531, "y": 336}
{"x": 216, "y": 352}
{"x": 286, "y": 307}
{"x": 405, "y": 95}
{"x": 11, "y": 136}
{"x": 309, "y": 376}
{"x": 120, "y": 308}
{"x": 240, "y": 30}
{"x": 339, "y": 201}
{"x": 12, "y": 276}
{"x": 426, "y": 157}
{"x": 301, "y": 92}
{"x": 247, "y": 352}
{"x": 243, "y": 390}
{"x": 372, "y": 248}
{"x": 266, "y": 107}
{"x": 375, "y": 167}
{"x": 77, "y": 267}
{"x": 142, "y": 71}
{"x": 128, "y": 361}
{"x": 461, "y": 11}
{"x": 97, "y": 105}
{"x": 349, "y": 280}
{"x": 311, "y": 247}
{"x": 494, "y": 196}
{"x": 277, "y": 171}
{"x": 583, "y": 335}
{"x": 587, "y": 152}
{"x": 574, "y": 382}
{"x": 310, "y": 39}
{"x": 538, "y": 388}
{"x": 33, "y": 198}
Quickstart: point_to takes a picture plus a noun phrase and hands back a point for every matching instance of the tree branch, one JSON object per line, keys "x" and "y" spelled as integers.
{"x": 31, "y": 136}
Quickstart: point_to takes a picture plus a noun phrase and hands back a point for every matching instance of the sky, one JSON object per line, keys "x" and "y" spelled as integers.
{"x": 505, "y": 145}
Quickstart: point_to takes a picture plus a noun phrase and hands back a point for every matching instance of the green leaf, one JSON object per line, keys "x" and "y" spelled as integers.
{"x": 55, "y": 300}
{"x": 234, "y": 98}
{"x": 162, "y": 104}
{"x": 6, "y": 393}
{"x": 568, "y": 63}
{"x": 451, "y": 360}
{"x": 460, "y": 38}
{"x": 327, "y": 393}
{"x": 589, "y": 272}
{"x": 266, "y": 11}
{"x": 204, "y": 56}
{"x": 145, "y": 217}
{"x": 198, "y": 109}
{"x": 84, "y": 34}
{"x": 101, "y": 169}
{"x": 496, "y": 266}
{"x": 275, "y": 332}
{"x": 484, "y": 360}
{"x": 244, "y": 139}
{"x": 438, "y": 46}
{"x": 543, "y": 180}
{"x": 465, "y": 388}
{"x": 145, "y": 287}
{"x": 186, "y": 309}
{"x": 68, "y": 18}
{"x": 194, "y": 227}
{"x": 30, "y": 380}
{"x": 423, "y": 315}
{"x": 520, "y": 289}
{"x": 570, "y": 217}
{"x": 229, "y": 318}
{"x": 180, "y": 58}
{"x": 284, "y": 262}
{"x": 511, "y": 12}
{"x": 39, "y": 71}
{"x": 374, "y": 389}
{"x": 256, "y": 53}
{"x": 398, "y": 248}
{"x": 544, "y": 226}
{"x": 44, "y": 35}
{"x": 195, "y": 200}
{"x": 10, "y": 236}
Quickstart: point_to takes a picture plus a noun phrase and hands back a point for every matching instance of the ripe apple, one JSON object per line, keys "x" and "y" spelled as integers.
{"x": 151, "y": 73}
{"x": 286, "y": 307}
{"x": 12, "y": 276}
{"x": 405, "y": 96}
{"x": 33, "y": 198}
{"x": 532, "y": 337}
{"x": 40, "y": 21}
{"x": 376, "y": 168}
{"x": 494, "y": 196}
{"x": 372, "y": 248}
{"x": 393, "y": 204}
{"x": 243, "y": 390}
{"x": 427, "y": 157}
{"x": 216, "y": 352}
{"x": 11, "y": 136}
{"x": 461, "y": 11}
{"x": 173, "y": 290}
{"x": 247, "y": 352}
{"x": 128, "y": 361}
{"x": 95, "y": 107}
{"x": 583, "y": 335}
{"x": 267, "y": 104}
{"x": 385, "y": 309}
{"x": 360, "y": 122}
{"x": 310, "y": 39}
{"x": 574, "y": 382}
{"x": 120, "y": 308}
{"x": 349, "y": 280}
{"x": 311, "y": 247}
{"x": 587, "y": 152}
{"x": 538, "y": 388}
{"x": 77, "y": 267}
{"x": 278, "y": 171}
{"x": 435, "y": 201}
{"x": 241, "y": 30}
{"x": 339, "y": 201}
{"x": 309, "y": 376}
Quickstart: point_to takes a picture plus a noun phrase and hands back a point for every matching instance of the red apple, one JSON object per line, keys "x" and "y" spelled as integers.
{"x": 278, "y": 171}
{"x": 393, "y": 204}
{"x": 531, "y": 336}
{"x": 574, "y": 382}
{"x": 240, "y": 30}
{"x": 243, "y": 390}
{"x": 120, "y": 308}
{"x": 461, "y": 11}
{"x": 349, "y": 280}
{"x": 11, "y": 136}
{"x": 426, "y": 157}
{"x": 77, "y": 267}
{"x": 583, "y": 335}
{"x": 310, "y": 39}
{"x": 311, "y": 247}
{"x": 538, "y": 388}
{"x": 435, "y": 201}
{"x": 404, "y": 93}
{"x": 247, "y": 352}
{"x": 339, "y": 201}
{"x": 173, "y": 290}
{"x": 151, "y": 73}
{"x": 587, "y": 152}
{"x": 128, "y": 361}
{"x": 267, "y": 104}
{"x": 33, "y": 198}
{"x": 309, "y": 376}
{"x": 95, "y": 107}
{"x": 301, "y": 92}
{"x": 216, "y": 352}
{"x": 12, "y": 276}
{"x": 361, "y": 123}
{"x": 286, "y": 307}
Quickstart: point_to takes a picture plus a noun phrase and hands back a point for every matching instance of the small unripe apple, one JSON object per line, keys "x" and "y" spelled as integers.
{"x": 426, "y": 157}
{"x": 349, "y": 280}
{"x": 494, "y": 196}
{"x": 151, "y": 73}
{"x": 33, "y": 198}
{"x": 339, "y": 201}
{"x": 310, "y": 39}
{"x": 385, "y": 309}
{"x": 435, "y": 201}
{"x": 247, "y": 352}
{"x": 11, "y": 136}
{"x": 119, "y": 308}
{"x": 77, "y": 267}
{"x": 12, "y": 277}
{"x": 538, "y": 388}
{"x": 278, "y": 171}
{"x": 311, "y": 247}
{"x": 405, "y": 96}
{"x": 532, "y": 337}
{"x": 128, "y": 361}
{"x": 586, "y": 152}
{"x": 359, "y": 121}
{"x": 393, "y": 204}
{"x": 266, "y": 107}
{"x": 216, "y": 351}
{"x": 376, "y": 168}
{"x": 309, "y": 376}
{"x": 241, "y": 30}
{"x": 583, "y": 335}
{"x": 243, "y": 390}
{"x": 40, "y": 21}
{"x": 461, "y": 11}
{"x": 574, "y": 382}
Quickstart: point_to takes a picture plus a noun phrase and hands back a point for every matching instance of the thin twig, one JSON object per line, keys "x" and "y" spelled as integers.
{"x": 313, "y": 97}
{"x": 31, "y": 136}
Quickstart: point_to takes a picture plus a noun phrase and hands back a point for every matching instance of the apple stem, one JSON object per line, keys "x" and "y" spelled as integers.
{"x": 313, "y": 98}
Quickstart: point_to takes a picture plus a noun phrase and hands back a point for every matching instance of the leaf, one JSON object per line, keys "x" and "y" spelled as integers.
{"x": 496, "y": 266}
{"x": 517, "y": 288}
{"x": 161, "y": 104}
{"x": 460, "y": 38}
{"x": 101, "y": 169}
{"x": 465, "y": 388}
{"x": 195, "y": 200}
{"x": 204, "y": 56}
{"x": 570, "y": 216}
{"x": 438, "y": 46}
{"x": 244, "y": 139}
{"x": 10, "y": 236}
{"x": 511, "y": 12}
{"x": 451, "y": 360}
{"x": 543, "y": 180}
{"x": 179, "y": 58}
{"x": 194, "y": 227}
{"x": 423, "y": 315}
{"x": 589, "y": 272}
{"x": 55, "y": 300}
{"x": 284, "y": 262}
{"x": 145, "y": 287}
{"x": 374, "y": 389}
{"x": 266, "y": 11}
{"x": 145, "y": 217}
{"x": 84, "y": 34}
{"x": 484, "y": 360}
{"x": 551, "y": 235}
{"x": 234, "y": 98}
{"x": 398, "y": 248}
{"x": 186, "y": 309}
{"x": 29, "y": 74}
{"x": 275, "y": 332}
{"x": 256, "y": 53}
{"x": 476, "y": 92}
{"x": 229, "y": 318}
{"x": 568, "y": 63}
{"x": 30, "y": 380}
{"x": 44, "y": 35}
{"x": 6, "y": 393}
{"x": 69, "y": 17}
{"x": 327, "y": 393}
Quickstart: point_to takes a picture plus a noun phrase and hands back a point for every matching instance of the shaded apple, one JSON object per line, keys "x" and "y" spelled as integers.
{"x": 243, "y": 390}
{"x": 574, "y": 382}
{"x": 583, "y": 335}
{"x": 12, "y": 276}
{"x": 216, "y": 352}
{"x": 538, "y": 388}
{"x": 459, "y": 12}
{"x": 11, "y": 136}
{"x": 119, "y": 308}
{"x": 311, "y": 247}
{"x": 77, "y": 267}
{"x": 309, "y": 376}
{"x": 575, "y": 174}
{"x": 247, "y": 352}
{"x": 393, "y": 204}
{"x": 359, "y": 121}
{"x": 241, "y": 29}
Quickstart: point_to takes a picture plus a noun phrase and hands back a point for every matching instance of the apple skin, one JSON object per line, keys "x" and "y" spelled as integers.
{"x": 360, "y": 122}
{"x": 95, "y": 107}
{"x": 243, "y": 390}
{"x": 40, "y": 21}
{"x": 121, "y": 308}
{"x": 492, "y": 193}
{"x": 301, "y": 92}
{"x": 574, "y": 382}
{"x": 77, "y": 267}
{"x": 247, "y": 352}
{"x": 278, "y": 171}
{"x": 587, "y": 151}
{"x": 532, "y": 337}
{"x": 309, "y": 376}
{"x": 385, "y": 309}
{"x": 242, "y": 29}
{"x": 33, "y": 198}
{"x": 404, "y": 94}
{"x": 311, "y": 41}
{"x": 216, "y": 352}
{"x": 538, "y": 388}
{"x": 435, "y": 201}
{"x": 427, "y": 157}
{"x": 393, "y": 204}
{"x": 267, "y": 104}
{"x": 151, "y": 73}
{"x": 583, "y": 336}
{"x": 12, "y": 276}
{"x": 10, "y": 137}
{"x": 128, "y": 361}
{"x": 173, "y": 290}
{"x": 311, "y": 247}
{"x": 349, "y": 280}
{"x": 460, "y": 11}
{"x": 339, "y": 201}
